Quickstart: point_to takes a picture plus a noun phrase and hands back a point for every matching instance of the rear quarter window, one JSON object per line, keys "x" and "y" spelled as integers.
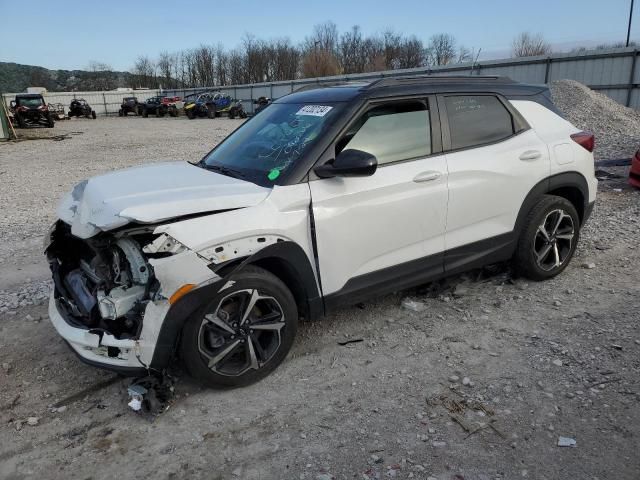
{"x": 477, "y": 120}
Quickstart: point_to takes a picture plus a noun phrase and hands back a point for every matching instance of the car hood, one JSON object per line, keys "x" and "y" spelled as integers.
{"x": 151, "y": 194}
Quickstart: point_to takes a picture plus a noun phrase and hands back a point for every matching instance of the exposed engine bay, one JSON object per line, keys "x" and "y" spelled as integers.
{"x": 103, "y": 283}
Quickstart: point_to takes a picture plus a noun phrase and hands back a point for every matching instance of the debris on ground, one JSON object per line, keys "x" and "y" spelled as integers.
{"x": 151, "y": 395}
{"x": 566, "y": 442}
{"x": 413, "y": 305}
{"x": 353, "y": 340}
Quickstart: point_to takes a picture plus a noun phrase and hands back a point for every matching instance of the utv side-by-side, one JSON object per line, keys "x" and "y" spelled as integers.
{"x": 30, "y": 109}
{"x": 80, "y": 108}
{"x": 157, "y": 106}
{"x": 129, "y": 105}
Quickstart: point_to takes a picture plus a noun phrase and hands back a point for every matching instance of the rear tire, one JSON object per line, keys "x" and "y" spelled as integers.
{"x": 93, "y": 114}
{"x": 548, "y": 239}
{"x": 145, "y": 113}
{"x": 243, "y": 333}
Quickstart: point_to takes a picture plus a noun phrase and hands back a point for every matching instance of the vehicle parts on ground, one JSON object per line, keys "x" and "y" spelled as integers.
{"x": 151, "y": 395}
{"x": 30, "y": 110}
{"x": 79, "y": 107}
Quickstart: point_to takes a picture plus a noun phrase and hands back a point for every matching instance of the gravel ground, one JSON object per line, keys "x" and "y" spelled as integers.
{"x": 480, "y": 384}
{"x": 616, "y": 127}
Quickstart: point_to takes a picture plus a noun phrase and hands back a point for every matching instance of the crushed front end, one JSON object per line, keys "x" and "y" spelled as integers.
{"x": 109, "y": 300}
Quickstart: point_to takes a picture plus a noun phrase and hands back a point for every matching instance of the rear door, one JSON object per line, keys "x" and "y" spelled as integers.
{"x": 494, "y": 160}
{"x": 385, "y": 230}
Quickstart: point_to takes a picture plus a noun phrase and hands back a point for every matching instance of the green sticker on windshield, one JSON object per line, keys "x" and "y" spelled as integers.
{"x": 273, "y": 174}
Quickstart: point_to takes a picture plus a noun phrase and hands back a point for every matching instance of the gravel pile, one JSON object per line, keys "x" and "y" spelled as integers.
{"x": 616, "y": 127}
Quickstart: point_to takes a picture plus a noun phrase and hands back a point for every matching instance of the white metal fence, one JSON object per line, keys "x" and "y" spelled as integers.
{"x": 615, "y": 73}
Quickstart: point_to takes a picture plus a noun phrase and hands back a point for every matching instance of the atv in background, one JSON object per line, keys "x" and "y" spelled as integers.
{"x": 57, "y": 110}
{"x": 80, "y": 108}
{"x": 261, "y": 104}
{"x": 29, "y": 109}
{"x": 156, "y": 105}
{"x": 237, "y": 110}
{"x": 129, "y": 105}
{"x": 199, "y": 105}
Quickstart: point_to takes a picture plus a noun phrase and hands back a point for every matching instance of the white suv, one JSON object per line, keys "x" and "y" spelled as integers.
{"x": 328, "y": 196}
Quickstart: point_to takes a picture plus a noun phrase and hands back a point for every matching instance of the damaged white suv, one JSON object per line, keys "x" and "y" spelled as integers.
{"x": 327, "y": 197}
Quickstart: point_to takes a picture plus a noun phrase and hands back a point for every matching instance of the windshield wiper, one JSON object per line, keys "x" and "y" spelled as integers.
{"x": 229, "y": 172}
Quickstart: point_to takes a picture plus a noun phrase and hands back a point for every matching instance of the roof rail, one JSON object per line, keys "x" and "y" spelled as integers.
{"x": 428, "y": 78}
{"x": 340, "y": 83}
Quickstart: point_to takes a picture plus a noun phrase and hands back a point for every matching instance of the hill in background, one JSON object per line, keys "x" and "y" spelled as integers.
{"x": 15, "y": 77}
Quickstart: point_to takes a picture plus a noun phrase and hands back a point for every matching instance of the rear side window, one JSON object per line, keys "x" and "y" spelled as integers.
{"x": 392, "y": 132}
{"x": 476, "y": 120}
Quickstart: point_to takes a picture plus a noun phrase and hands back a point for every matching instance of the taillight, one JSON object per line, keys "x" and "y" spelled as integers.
{"x": 585, "y": 139}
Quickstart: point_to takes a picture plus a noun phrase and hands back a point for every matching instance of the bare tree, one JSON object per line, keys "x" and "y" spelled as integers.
{"x": 411, "y": 54}
{"x": 351, "y": 51}
{"x": 319, "y": 63}
{"x": 442, "y": 49}
{"x": 144, "y": 71}
{"x": 320, "y": 51}
{"x": 464, "y": 54}
{"x": 530, "y": 45}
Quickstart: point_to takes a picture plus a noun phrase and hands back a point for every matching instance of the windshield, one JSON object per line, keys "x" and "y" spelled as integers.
{"x": 30, "y": 102}
{"x": 265, "y": 147}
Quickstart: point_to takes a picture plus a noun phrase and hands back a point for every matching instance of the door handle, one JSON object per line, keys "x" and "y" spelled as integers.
{"x": 530, "y": 155}
{"x": 427, "y": 176}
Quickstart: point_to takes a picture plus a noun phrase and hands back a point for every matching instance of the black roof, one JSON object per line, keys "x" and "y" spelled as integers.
{"x": 392, "y": 86}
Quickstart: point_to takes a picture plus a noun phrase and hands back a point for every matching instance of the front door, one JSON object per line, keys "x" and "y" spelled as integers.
{"x": 386, "y": 230}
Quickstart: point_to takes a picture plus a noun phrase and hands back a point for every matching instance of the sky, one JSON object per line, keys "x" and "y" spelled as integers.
{"x": 117, "y": 32}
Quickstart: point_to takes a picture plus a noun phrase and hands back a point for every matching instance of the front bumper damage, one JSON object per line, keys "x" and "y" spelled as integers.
{"x": 97, "y": 337}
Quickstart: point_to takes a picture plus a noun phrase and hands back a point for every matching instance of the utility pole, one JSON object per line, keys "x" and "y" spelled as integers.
{"x": 629, "y": 28}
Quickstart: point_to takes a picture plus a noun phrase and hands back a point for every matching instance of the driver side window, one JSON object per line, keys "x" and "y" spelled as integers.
{"x": 392, "y": 132}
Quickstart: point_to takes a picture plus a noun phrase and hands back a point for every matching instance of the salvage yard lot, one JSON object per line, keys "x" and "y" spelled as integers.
{"x": 479, "y": 384}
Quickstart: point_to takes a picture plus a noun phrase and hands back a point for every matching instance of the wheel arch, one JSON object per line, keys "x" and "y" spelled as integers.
{"x": 570, "y": 185}
{"x": 285, "y": 259}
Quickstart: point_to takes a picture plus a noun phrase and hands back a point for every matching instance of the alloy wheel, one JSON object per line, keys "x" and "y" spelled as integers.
{"x": 243, "y": 333}
{"x": 554, "y": 240}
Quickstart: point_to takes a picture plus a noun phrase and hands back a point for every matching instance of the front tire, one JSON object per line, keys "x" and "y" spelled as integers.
{"x": 244, "y": 333}
{"x": 549, "y": 238}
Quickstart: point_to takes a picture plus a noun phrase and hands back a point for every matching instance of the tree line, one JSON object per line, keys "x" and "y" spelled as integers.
{"x": 325, "y": 52}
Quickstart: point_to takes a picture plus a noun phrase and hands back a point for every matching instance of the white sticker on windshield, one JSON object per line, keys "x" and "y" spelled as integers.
{"x": 314, "y": 110}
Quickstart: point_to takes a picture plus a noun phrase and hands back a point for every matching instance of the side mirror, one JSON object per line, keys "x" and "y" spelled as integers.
{"x": 349, "y": 163}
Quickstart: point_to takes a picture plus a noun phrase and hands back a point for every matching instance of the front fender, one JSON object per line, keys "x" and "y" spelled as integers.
{"x": 192, "y": 302}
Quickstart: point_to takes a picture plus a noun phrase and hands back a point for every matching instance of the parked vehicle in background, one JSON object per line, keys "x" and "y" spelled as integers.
{"x": 237, "y": 110}
{"x": 158, "y": 107}
{"x": 261, "y": 103}
{"x": 199, "y": 105}
{"x": 634, "y": 173}
{"x": 223, "y": 103}
{"x": 57, "y": 110}
{"x": 30, "y": 109}
{"x": 129, "y": 105}
{"x": 328, "y": 197}
{"x": 80, "y": 108}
